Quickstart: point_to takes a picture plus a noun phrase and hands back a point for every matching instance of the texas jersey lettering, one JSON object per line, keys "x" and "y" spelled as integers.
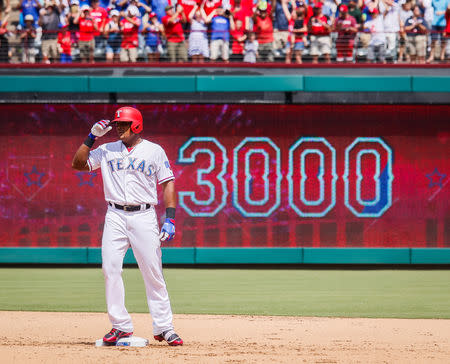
{"x": 131, "y": 177}
{"x": 118, "y": 165}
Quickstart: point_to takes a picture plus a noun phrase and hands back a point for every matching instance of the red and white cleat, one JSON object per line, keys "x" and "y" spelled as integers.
{"x": 111, "y": 337}
{"x": 171, "y": 337}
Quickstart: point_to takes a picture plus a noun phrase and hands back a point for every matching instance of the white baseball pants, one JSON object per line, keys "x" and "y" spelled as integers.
{"x": 138, "y": 229}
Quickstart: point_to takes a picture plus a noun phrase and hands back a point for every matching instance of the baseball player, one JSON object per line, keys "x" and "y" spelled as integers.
{"x": 131, "y": 169}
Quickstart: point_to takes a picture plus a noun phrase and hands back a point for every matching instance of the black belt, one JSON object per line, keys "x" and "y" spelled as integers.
{"x": 129, "y": 207}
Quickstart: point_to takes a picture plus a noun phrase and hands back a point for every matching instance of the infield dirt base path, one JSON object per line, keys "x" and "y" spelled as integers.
{"x": 55, "y": 337}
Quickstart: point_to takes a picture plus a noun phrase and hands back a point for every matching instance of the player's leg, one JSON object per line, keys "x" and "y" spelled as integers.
{"x": 114, "y": 246}
{"x": 144, "y": 239}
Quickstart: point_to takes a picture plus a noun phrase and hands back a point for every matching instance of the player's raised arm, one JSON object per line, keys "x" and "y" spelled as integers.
{"x": 79, "y": 161}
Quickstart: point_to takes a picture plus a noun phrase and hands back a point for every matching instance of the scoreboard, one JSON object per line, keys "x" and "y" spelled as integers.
{"x": 246, "y": 175}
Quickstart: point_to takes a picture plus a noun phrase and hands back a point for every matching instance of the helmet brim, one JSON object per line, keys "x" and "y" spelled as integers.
{"x": 125, "y": 120}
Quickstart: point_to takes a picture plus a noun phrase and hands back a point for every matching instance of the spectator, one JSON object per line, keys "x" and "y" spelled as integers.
{"x": 159, "y": 6}
{"x": 188, "y": 6}
{"x": 405, "y": 14}
{"x": 297, "y": 38}
{"x": 251, "y": 48}
{"x": 438, "y": 28}
{"x": 49, "y": 21}
{"x": 239, "y": 37}
{"x": 221, "y": 24}
{"x": 247, "y": 8}
{"x": 176, "y": 46}
{"x": 105, "y": 4}
{"x": 447, "y": 22}
{"x": 428, "y": 11}
{"x": 63, "y": 9}
{"x": 130, "y": 29}
{"x": 282, "y": 13}
{"x": 142, "y": 6}
{"x": 5, "y": 7}
{"x": 391, "y": 19}
{"x": 330, "y": 8}
{"x": 263, "y": 27}
{"x": 27, "y": 38}
{"x": 4, "y": 42}
{"x": 113, "y": 35}
{"x": 153, "y": 30}
{"x": 319, "y": 30}
{"x": 346, "y": 27}
{"x": 242, "y": 14}
{"x": 367, "y": 8}
{"x": 355, "y": 11}
{"x": 198, "y": 37}
{"x": 100, "y": 17}
{"x": 119, "y": 5}
{"x": 210, "y": 5}
{"x": 65, "y": 45}
{"x": 88, "y": 27}
{"x": 29, "y": 7}
{"x": 377, "y": 43}
{"x": 144, "y": 9}
{"x": 416, "y": 30}
{"x": 73, "y": 14}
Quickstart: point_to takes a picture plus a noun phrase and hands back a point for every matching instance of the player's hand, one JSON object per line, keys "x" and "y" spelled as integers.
{"x": 100, "y": 128}
{"x": 168, "y": 230}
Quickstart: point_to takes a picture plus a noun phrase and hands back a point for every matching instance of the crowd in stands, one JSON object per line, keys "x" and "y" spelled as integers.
{"x": 289, "y": 31}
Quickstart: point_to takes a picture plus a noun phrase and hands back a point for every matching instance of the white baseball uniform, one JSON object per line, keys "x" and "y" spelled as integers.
{"x": 130, "y": 177}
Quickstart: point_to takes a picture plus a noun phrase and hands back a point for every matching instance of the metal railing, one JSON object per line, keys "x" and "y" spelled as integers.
{"x": 29, "y": 46}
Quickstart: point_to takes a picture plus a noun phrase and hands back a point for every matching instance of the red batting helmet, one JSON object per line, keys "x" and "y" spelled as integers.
{"x": 128, "y": 113}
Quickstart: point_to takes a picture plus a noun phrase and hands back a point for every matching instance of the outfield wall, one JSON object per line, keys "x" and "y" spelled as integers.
{"x": 257, "y": 183}
{"x": 198, "y": 256}
{"x": 242, "y": 86}
{"x": 232, "y": 83}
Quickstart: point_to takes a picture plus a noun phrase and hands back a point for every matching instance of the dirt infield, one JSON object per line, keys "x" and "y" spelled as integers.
{"x": 55, "y": 337}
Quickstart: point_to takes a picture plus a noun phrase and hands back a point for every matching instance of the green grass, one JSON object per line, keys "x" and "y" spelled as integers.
{"x": 339, "y": 293}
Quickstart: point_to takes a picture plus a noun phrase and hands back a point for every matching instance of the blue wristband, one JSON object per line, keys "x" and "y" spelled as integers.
{"x": 170, "y": 212}
{"x": 90, "y": 140}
